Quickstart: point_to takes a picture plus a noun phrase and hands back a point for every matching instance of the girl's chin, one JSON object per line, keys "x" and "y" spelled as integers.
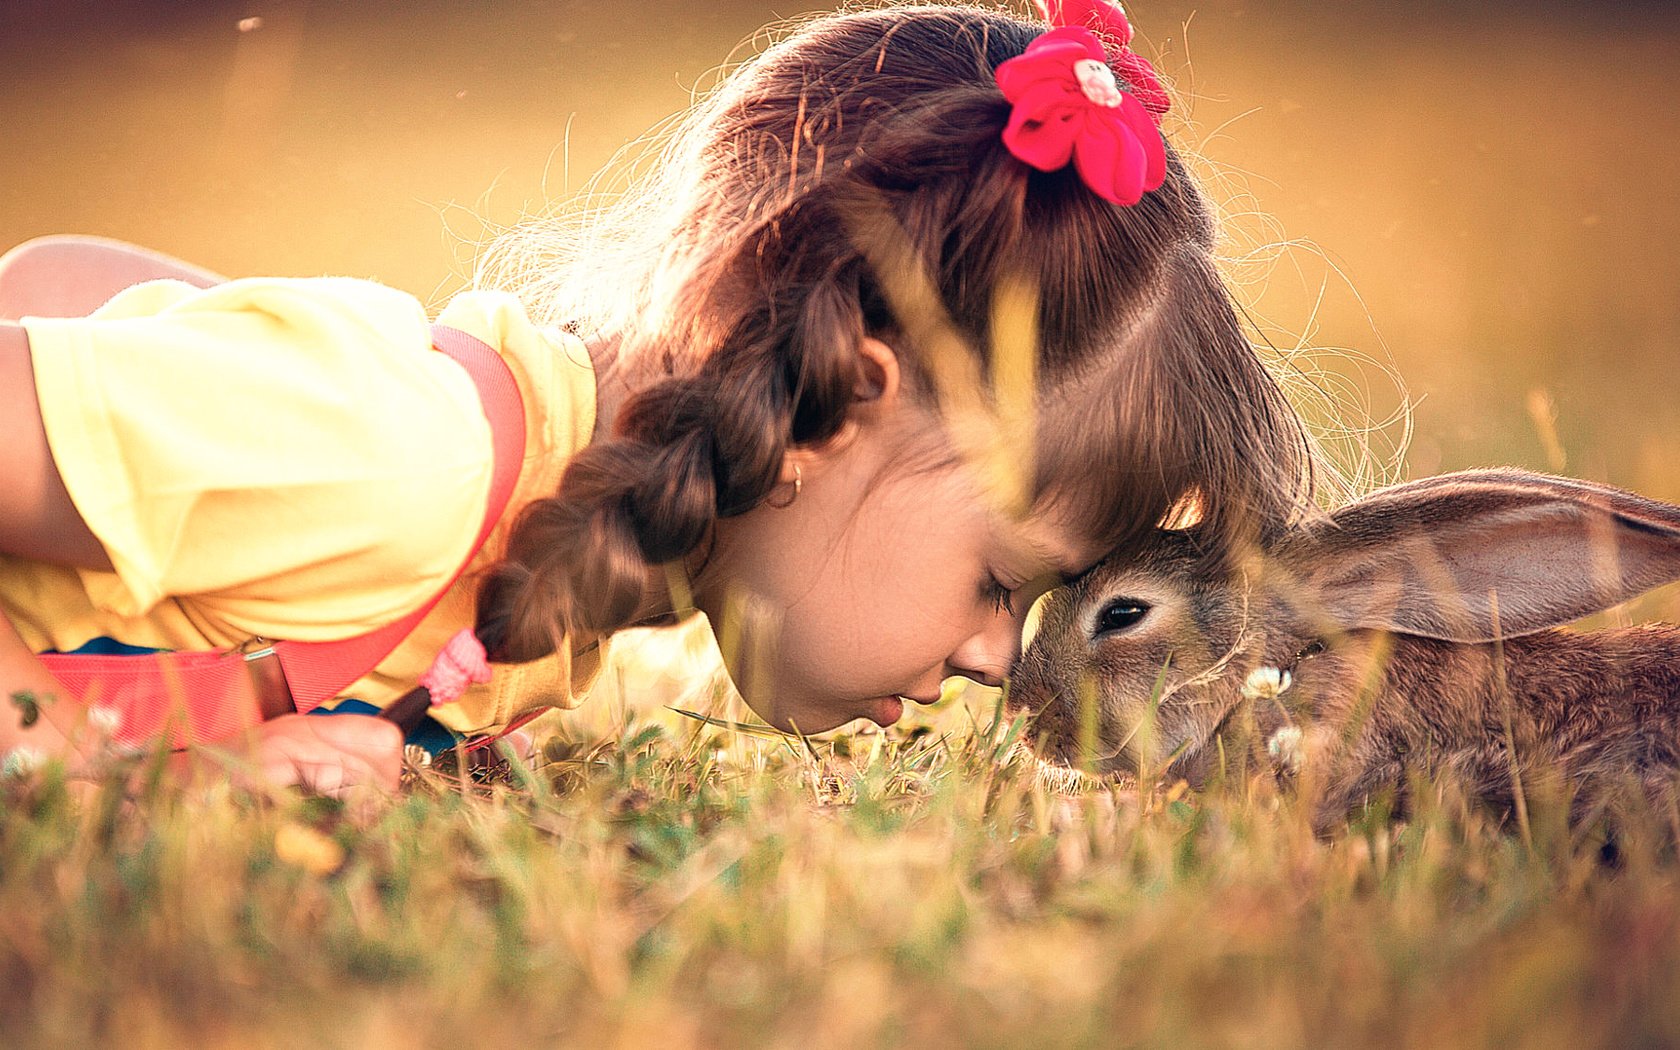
{"x": 882, "y": 710}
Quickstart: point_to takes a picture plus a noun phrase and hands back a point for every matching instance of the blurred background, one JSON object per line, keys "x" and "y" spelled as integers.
{"x": 1479, "y": 197}
{"x": 1467, "y": 205}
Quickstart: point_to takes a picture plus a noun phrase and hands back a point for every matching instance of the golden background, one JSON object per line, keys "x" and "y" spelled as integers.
{"x": 1479, "y": 198}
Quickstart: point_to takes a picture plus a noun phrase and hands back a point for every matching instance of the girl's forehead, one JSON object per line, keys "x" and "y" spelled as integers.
{"x": 1049, "y": 541}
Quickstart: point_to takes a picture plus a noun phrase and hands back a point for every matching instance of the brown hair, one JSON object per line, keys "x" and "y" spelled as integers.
{"x": 743, "y": 295}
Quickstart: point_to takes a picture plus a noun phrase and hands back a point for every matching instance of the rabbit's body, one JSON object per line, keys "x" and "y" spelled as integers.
{"x": 1354, "y": 611}
{"x": 1600, "y": 709}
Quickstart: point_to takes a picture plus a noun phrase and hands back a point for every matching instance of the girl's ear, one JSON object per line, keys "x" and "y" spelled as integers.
{"x": 878, "y": 373}
{"x": 1433, "y": 558}
{"x": 875, "y": 391}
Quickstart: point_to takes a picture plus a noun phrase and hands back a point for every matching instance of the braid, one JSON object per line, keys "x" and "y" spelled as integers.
{"x": 673, "y": 501}
{"x": 535, "y": 596}
{"x": 685, "y": 452}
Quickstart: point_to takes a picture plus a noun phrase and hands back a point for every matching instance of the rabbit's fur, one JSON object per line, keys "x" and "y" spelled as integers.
{"x": 1399, "y": 656}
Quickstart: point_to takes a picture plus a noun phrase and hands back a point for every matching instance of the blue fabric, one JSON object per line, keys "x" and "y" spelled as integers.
{"x": 432, "y": 735}
{"x": 109, "y": 647}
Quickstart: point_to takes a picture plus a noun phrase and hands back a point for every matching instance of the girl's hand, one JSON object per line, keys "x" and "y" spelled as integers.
{"x": 329, "y": 754}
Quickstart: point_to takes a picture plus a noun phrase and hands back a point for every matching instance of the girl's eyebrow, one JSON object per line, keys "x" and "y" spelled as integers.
{"x": 1048, "y": 559}
{"x": 1066, "y": 558}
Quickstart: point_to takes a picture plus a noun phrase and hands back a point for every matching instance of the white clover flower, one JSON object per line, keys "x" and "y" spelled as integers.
{"x": 1266, "y": 683}
{"x": 23, "y": 760}
{"x": 1285, "y": 748}
{"x": 104, "y": 720}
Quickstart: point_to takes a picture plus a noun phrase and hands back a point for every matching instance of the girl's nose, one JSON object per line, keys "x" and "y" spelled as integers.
{"x": 988, "y": 654}
{"x": 987, "y": 677}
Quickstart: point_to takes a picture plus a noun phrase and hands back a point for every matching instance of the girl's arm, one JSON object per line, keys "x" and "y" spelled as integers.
{"x": 72, "y": 276}
{"x": 23, "y": 676}
{"x": 60, "y": 276}
{"x": 38, "y": 521}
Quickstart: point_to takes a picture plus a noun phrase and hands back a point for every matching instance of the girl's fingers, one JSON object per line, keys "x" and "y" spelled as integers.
{"x": 332, "y": 754}
{"x": 362, "y": 733}
{"x": 376, "y": 748}
{"x": 332, "y": 776}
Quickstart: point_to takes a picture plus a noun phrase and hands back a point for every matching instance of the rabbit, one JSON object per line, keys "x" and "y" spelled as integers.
{"x": 1417, "y": 626}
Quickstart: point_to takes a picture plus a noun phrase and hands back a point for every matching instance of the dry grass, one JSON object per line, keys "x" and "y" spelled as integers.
{"x": 670, "y": 882}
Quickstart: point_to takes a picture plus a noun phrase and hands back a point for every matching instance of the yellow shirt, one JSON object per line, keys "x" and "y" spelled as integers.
{"x": 289, "y": 459}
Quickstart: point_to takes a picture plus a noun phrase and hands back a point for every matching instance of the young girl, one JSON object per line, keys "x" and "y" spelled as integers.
{"x": 918, "y": 316}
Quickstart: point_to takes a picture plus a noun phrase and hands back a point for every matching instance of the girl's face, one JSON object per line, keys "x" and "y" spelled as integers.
{"x": 880, "y": 580}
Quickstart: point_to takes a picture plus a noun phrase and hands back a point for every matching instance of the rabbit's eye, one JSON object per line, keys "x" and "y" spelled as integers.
{"x": 1121, "y": 614}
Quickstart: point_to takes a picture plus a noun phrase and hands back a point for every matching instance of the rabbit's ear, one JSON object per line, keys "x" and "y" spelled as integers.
{"x": 1481, "y": 554}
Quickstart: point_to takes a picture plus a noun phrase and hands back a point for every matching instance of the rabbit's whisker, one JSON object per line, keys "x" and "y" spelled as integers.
{"x": 1216, "y": 670}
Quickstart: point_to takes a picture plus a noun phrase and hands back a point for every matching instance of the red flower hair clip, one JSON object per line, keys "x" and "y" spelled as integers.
{"x": 1068, "y": 104}
{"x": 1108, "y": 20}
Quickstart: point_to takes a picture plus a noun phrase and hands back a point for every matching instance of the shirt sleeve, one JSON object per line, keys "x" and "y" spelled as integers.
{"x": 288, "y": 456}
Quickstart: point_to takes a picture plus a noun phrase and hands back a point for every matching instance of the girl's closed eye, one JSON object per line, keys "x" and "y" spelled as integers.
{"x": 999, "y": 594}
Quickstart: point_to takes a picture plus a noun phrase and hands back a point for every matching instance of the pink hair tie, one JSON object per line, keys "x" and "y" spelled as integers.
{"x": 458, "y": 664}
{"x": 1067, "y": 104}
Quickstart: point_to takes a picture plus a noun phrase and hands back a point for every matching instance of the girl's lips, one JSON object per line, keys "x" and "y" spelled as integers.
{"x": 884, "y": 710}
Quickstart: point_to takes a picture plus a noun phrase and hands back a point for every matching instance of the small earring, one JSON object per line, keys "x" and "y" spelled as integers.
{"x": 798, "y": 483}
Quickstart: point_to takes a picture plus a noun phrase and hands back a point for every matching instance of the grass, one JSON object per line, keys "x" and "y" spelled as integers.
{"x": 667, "y": 883}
